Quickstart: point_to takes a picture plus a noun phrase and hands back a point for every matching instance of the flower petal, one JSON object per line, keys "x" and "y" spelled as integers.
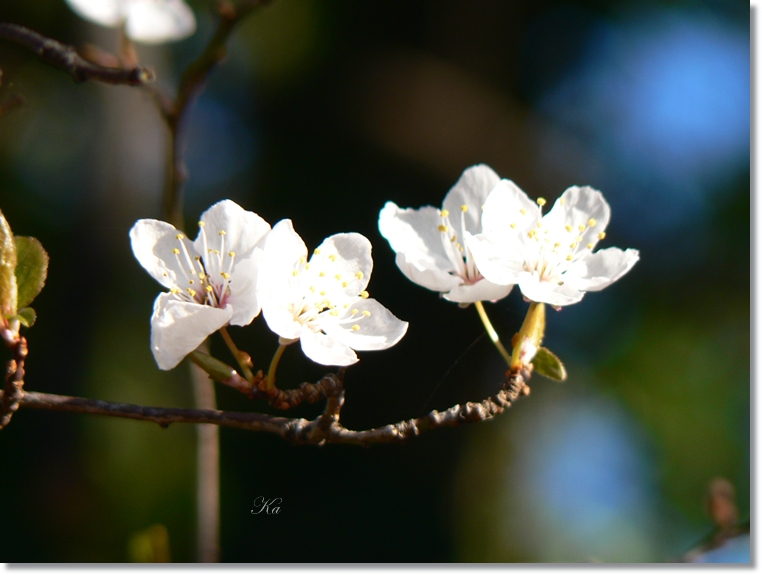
{"x": 376, "y": 327}
{"x": 508, "y": 209}
{"x": 103, "y": 12}
{"x": 498, "y": 259}
{"x": 471, "y": 190}
{"x": 178, "y": 327}
{"x": 547, "y": 292}
{"x": 342, "y": 263}
{"x": 326, "y": 349}
{"x": 244, "y": 296}
{"x": 431, "y": 278}
{"x": 416, "y": 234}
{"x": 156, "y": 21}
{"x": 600, "y": 269}
{"x": 277, "y": 287}
{"x": 244, "y": 230}
{"x": 152, "y": 243}
{"x": 483, "y": 290}
{"x": 578, "y": 216}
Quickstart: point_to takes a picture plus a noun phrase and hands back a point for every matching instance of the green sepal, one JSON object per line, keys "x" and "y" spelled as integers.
{"x": 8, "y": 289}
{"x": 546, "y": 363}
{"x": 27, "y": 316}
{"x": 218, "y": 370}
{"x": 31, "y": 269}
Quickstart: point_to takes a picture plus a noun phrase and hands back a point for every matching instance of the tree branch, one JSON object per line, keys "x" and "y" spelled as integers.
{"x": 66, "y": 57}
{"x": 13, "y": 392}
{"x": 324, "y": 429}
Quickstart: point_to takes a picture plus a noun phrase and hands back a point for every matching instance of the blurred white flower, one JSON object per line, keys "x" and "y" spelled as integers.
{"x": 148, "y": 21}
{"x": 212, "y": 281}
{"x": 432, "y": 244}
{"x": 322, "y": 301}
{"x": 550, "y": 257}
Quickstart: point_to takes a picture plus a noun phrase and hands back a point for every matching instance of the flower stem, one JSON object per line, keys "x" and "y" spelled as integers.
{"x": 491, "y": 332}
{"x": 274, "y": 367}
{"x": 240, "y": 356}
{"x": 530, "y": 335}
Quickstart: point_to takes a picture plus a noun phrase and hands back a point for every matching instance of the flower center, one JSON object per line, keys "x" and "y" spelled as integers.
{"x": 458, "y": 254}
{"x": 324, "y": 293}
{"x": 205, "y": 278}
{"x": 550, "y": 252}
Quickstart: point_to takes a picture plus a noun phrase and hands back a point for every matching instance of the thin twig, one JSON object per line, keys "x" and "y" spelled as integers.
{"x": 192, "y": 84}
{"x": 66, "y": 58}
{"x": 13, "y": 391}
{"x": 324, "y": 429}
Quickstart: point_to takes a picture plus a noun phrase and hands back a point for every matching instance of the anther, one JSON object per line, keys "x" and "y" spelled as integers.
{"x": 541, "y": 201}
{"x": 179, "y": 236}
{"x": 523, "y": 211}
{"x": 569, "y": 258}
{"x": 332, "y": 257}
{"x": 568, "y": 227}
{"x": 454, "y": 238}
{"x": 573, "y": 245}
{"x": 201, "y": 224}
{"x": 591, "y": 222}
{"x": 176, "y": 251}
{"x": 208, "y": 288}
{"x": 317, "y": 251}
{"x": 338, "y": 276}
{"x": 601, "y": 235}
{"x": 442, "y": 228}
{"x": 231, "y": 254}
{"x": 225, "y": 275}
{"x": 294, "y": 273}
{"x": 321, "y": 274}
{"x": 322, "y": 293}
{"x": 359, "y": 275}
{"x": 590, "y": 246}
{"x": 364, "y": 294}
{"x": 366, "y": 313}
{"x": 562, "y": 201}
{"x": 513, "y": 226}
{"x": 222, "y": 233}
{"x": 464, "y": 208}
{"x": 334, "y": 312}
{"x": 355, "y": 327}
{"x": 444, "y": 213}
{"x": 344, "y": 284}
{"x": 355, "y": 311}
{"x": 192, "y": 292}
{"x": 582, "y": 227}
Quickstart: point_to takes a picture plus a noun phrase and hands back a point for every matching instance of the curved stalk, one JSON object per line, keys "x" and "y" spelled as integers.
{"x": 492, "y": 333}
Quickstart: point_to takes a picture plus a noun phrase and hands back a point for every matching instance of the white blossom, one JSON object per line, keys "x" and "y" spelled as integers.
{"x": 212, "y": 281}
{"x": 550, "y": 257}
{"x": 148, "y": 21}
{"x": 322, "y": 301}
{"x": 432, "y": 245}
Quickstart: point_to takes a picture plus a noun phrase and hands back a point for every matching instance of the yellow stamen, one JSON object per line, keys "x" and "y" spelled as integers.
{"x": 444, "y": 213}
{"x": 591, "y": 222}
{"x": 225, "y": 275}
{"x": 568, "y": 227}
{"x": 464, "y": 208}
{"x": 355, "y": 311}
{"x": 366, "y": 313}
{"x": 513, "y": 226}
{"x": 601, "y": 235}
{"x": 442, "y": 228}
{"x": 222, "y": 232}
{"x": 355, "y": 327}
{"x": 179, "y": 236}
{"x": 364, "y": 294}
{"x": 317, "y": 251}
{"x": 175, "y": 251}
{"x": 541, "y": 201}
{"x": 590, "y": 246}
{"x": 294, "y": 273}
{"x": 201, "y": 224}
{"x": 359, "y": 275}
{"x": 332, "y": 257}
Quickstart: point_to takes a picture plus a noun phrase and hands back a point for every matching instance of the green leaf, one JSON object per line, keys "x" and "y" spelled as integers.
{"x": 546, "y": 363}
{"x": 31, "y": 269}
{"x": 8, "y": 290}
{"x": 218, "y": 370}
{"x": 26, "y": 316}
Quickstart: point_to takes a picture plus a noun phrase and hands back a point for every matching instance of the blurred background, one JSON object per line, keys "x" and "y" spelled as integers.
{"x": 322, "y": 112}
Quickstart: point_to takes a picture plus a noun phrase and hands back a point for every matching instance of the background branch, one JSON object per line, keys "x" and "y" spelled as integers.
{"x": 66, "y": 58}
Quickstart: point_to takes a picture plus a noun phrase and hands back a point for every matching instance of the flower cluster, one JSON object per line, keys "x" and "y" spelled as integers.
{"x": 238, "y": 266}
{"x": 499, "y": 238}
